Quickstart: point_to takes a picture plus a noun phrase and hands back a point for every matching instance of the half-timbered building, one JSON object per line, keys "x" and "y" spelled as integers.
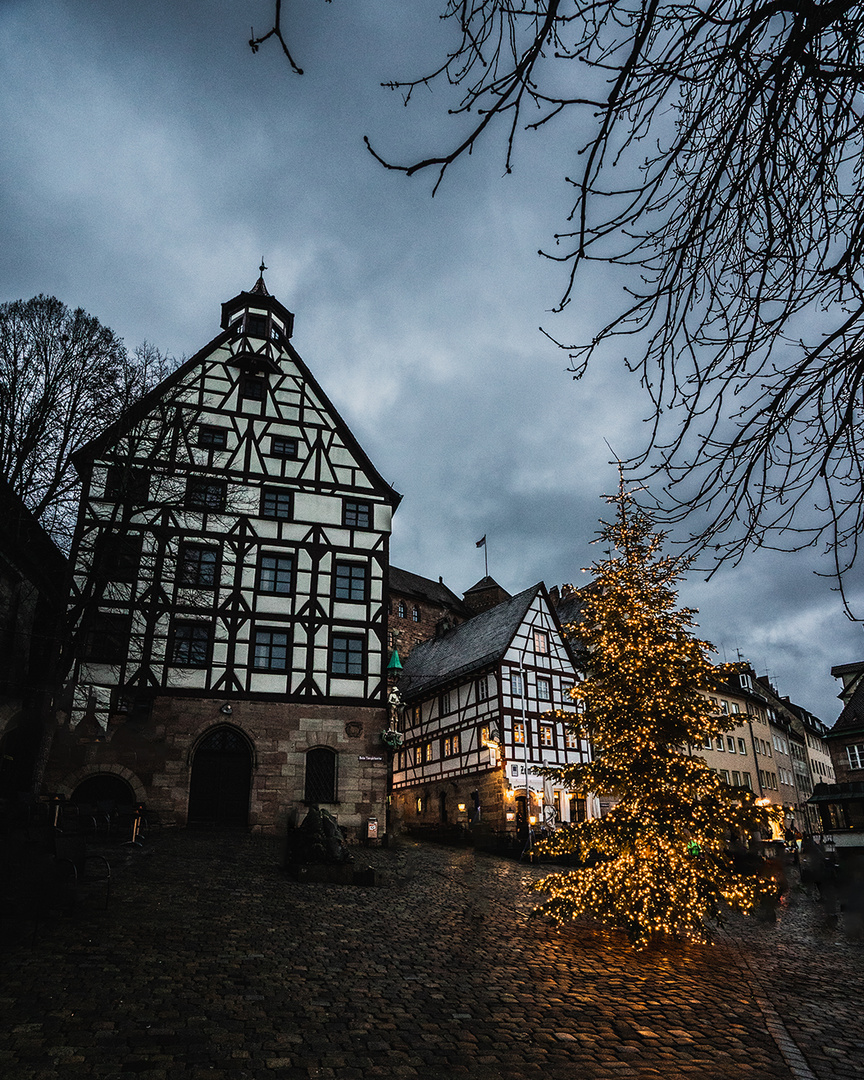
{"x": 479, "y": 706}
{"x": 229, "y": 594}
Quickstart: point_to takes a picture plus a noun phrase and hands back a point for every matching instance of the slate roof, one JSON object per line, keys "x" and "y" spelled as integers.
{"x": 403, "y": 581}
{"x": 483, "y": 584}
{"x": 852, "y": 717}
{"x": 570, "y": 608}
{"x": 473, "y": 646}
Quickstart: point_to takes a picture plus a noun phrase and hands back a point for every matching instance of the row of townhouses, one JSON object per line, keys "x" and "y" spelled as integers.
{"x": 235, "y": 634}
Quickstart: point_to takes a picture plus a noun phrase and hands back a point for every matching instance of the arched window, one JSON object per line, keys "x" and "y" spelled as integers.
{"x": 401, "y": 609}
{"x": 415, "y": 614}
{"x": 320, "y": 775}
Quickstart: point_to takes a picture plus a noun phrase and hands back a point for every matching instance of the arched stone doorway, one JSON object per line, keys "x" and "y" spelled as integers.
{"x": 103, "y": 788}
{"x": 221, "y": 779}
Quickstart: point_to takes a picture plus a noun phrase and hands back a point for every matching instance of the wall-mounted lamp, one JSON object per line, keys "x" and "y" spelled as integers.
{"x": 511, "y": 816}
{"x": 461, "y": 807}
{"x": 226, "y": 709}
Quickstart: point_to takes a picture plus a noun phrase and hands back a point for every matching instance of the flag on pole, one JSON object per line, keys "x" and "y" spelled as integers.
{"x": 482, "y": 541}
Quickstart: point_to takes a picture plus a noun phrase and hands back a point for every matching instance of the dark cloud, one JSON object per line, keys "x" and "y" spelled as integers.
{"x": 149, "y": 160}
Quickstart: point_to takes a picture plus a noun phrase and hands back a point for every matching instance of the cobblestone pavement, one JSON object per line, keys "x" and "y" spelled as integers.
{"x": 211, "y": 964}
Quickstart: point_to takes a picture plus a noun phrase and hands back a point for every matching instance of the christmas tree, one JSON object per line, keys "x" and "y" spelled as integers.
{"x": 660, "y": 861}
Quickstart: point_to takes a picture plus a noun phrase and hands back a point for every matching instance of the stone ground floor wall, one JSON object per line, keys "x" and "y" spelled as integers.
{"x": 156, "y": 757}
{"x": 421, "y": 804}
{"x": 437, "y": 802}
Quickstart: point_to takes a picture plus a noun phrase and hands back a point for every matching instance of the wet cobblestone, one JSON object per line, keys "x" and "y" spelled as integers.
{"x": 211, "y": 964}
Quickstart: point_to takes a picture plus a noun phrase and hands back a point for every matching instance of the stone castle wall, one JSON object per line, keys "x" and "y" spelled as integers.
{"x": 155, "y": 757}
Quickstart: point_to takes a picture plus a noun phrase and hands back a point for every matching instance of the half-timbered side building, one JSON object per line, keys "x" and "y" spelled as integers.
{"x": 478, "y": 703}
{"x": 229, "y": 595}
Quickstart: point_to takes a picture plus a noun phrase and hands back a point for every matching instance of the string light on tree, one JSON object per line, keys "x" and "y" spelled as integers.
{"x": 659, "y": 862}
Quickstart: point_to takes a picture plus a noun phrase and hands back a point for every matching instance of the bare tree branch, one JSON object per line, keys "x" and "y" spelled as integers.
{"x": 722, "y": 171}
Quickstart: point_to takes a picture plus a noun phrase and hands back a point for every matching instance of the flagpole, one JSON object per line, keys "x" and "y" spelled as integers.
{"x": 482, "y": 543}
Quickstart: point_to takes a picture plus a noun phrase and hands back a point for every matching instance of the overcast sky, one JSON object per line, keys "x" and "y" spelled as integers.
{"x": 149, "y": 160}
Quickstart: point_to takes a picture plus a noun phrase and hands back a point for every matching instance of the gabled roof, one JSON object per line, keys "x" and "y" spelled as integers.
{"x": 92, "y": 450}
{"x": 436, "y": 592}
{"x": 473, "y": 646}
{"x": 26, "y": 547}
{"x": 852, "y": 717}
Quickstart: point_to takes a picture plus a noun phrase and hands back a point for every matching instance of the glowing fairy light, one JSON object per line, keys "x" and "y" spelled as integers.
{"x": 659, "y": 861}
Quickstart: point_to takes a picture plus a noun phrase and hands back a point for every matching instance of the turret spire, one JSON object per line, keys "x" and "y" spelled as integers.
{"x": 259, "y": 288}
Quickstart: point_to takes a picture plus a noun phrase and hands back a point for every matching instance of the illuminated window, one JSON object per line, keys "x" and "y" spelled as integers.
{"x": 519, "y": 733}
{"x": 570, "y": 740}
{"x": 541, "y": 641}
{"x": 545, "y": 735}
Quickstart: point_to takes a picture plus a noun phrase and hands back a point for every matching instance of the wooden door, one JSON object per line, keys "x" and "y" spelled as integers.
{"x": 221, "y": 780}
